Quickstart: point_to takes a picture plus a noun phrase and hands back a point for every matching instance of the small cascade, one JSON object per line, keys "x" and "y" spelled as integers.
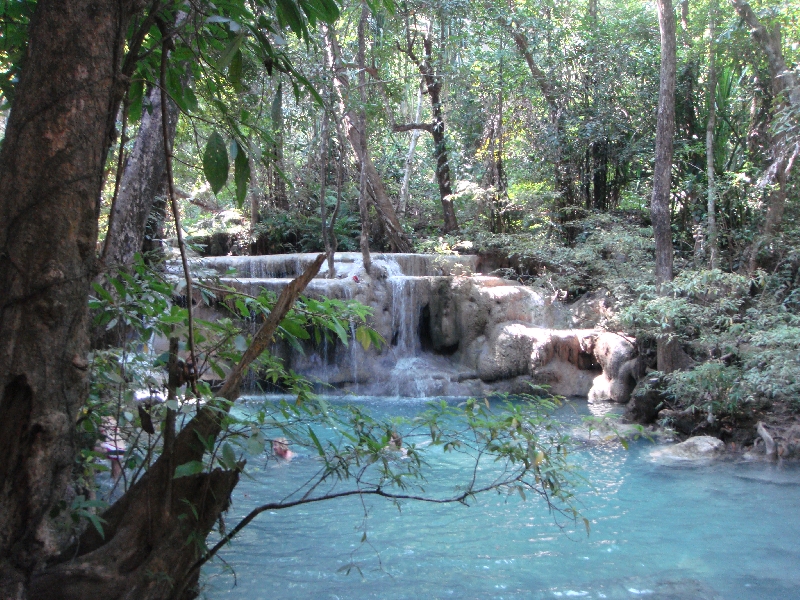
{"x": 449, "y": 330}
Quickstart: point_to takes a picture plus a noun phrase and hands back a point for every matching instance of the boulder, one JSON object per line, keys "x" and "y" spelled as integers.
{"x": 591, "y": 309}
{"x": 616, "y": 355}
{"x": 701, "y": 447}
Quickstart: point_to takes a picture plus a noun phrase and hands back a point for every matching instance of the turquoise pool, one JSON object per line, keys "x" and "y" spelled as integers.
{"x": 724, "y": 530}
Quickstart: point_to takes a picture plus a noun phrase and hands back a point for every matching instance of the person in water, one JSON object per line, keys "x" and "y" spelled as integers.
{"x": 396, "y": 443}
{"x": 280, "y": 448}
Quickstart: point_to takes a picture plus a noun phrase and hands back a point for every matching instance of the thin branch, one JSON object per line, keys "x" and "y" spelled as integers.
{"x": 166, "y": 42}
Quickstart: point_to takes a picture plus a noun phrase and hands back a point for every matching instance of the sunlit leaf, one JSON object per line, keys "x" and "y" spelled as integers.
{"x": 215, "y": 162}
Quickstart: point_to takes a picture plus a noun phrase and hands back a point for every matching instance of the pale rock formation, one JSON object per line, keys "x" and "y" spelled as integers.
{"x": 701, "y": 447}
{"x": 448, "y": 331}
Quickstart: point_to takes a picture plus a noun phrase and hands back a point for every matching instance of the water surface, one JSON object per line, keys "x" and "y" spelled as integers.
{"x": 721, "y": 530}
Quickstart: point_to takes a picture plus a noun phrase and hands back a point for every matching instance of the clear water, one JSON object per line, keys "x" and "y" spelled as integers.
{"x": 724, "y": 530}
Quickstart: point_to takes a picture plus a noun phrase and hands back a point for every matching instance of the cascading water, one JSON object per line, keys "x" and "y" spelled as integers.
{"x": 448, "y": 330}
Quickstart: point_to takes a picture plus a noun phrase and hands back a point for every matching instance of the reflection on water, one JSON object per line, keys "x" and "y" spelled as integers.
{"x": 725, "y": 530}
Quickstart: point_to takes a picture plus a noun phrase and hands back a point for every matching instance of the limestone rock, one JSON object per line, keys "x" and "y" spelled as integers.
{"x": 701, "y": 447}
{"x": 616, "y": 355}
{"x": 591, "y": 309}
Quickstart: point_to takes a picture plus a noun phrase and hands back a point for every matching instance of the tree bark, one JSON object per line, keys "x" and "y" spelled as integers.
{"x": 141, "y": 180}
{"x": 665, "y": 131}
{"x": 51, "y": 172}
{"x": 357, "y": 139}
{"x": 713, "y": 245}
{"x": 363, "y": 207}
{"x": 147, "y": 552}
{"x": 280, "y": 198}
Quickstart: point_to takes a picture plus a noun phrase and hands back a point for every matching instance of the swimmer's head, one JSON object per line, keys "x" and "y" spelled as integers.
{"x": 280, "y": 447}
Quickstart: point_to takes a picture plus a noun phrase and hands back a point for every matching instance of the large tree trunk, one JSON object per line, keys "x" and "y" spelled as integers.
{"x": 153, "y": 534}
{"x": 665, "y": 130}
{"x": 141, "y": 180}
{"x": 51, "y": 170}
{"x": 357, "y": 139}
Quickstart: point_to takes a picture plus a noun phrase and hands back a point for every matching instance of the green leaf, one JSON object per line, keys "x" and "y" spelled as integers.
{"x": 340, "y": 331}
{"x": 295, "y": 329}
{"x": 102, "y": 292}
{"x": 316, "y": 441}
{"x": 215, "y": 162}
{"x": 228, "y": 456}
{"x": 241, "y": 175}
{"x": 97, "y": 522}
{"x": 190, "y": 468}
{"x": 288, "y": 14}
{"x": 363, "y": 337}
{"x": 235, "y": 71}
{"x": 230, "y": 52}
{"x": 135, "y": 97}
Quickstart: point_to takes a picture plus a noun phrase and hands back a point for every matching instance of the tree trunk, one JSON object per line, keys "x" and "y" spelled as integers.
{"x": 280, "y": 199}
{"x": 433, "y": 86}
{"x": 713, "y": 245}
{"x": 51, "y": 173}
{"x": 357, "y": 139}
{"x": 665, "y": 130}
{"x": 141, "y": 180}
{"x": 363, "y": 207}
{"x": 154, "y": 228}
{"x": 402, "y": 202}
{"x": 151, "y": 542}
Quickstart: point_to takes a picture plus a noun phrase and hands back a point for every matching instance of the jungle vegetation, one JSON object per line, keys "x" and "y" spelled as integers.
{"x": 644, "y": 148}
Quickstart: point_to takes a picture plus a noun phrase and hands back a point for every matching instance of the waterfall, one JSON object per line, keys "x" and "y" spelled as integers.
{"x": 449, "y": 330}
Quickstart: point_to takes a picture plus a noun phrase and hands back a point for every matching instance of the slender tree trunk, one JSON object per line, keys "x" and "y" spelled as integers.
{"x": 51, "y": 171}
{"x": 363, "y": 209}
{"x": 433, "y": 86}
{"x": 402, "y": 202}
{"x": 665, "y": 131}
{"x": 255, "y": 198}
{"x": 141, "y": 180}
{"x": 713, "y": 245}
{"x": 280, "y": 198}
{"x": 384, "y": 207}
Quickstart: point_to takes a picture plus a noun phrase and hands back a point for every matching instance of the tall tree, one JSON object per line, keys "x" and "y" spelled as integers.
{"x": 665, "y": 131}
{"x": 433, "y": 86}
{"x": 357, "y": 139}
{"x": 51, "y": 172}
{"x": 713, "y": 244}
{"x": 141, "y": 180}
